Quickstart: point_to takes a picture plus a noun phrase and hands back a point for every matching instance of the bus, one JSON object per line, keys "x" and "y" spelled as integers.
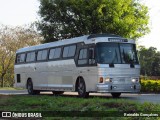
{"x": 96, "y": 63}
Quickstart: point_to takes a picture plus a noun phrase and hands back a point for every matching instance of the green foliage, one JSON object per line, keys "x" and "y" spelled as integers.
{"x": 150, "y": 61}
{"x": 62, "y": 19}
{"x": 150, "y": 86}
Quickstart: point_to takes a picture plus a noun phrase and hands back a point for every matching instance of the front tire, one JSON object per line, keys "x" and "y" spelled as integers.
{"x": 115, "y": 95}
{"x": 30, "y": 88}
{"x": 82, "y": 89}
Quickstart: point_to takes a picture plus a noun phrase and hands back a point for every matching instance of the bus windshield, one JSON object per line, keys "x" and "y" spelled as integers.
{"x": 116, "y": 53}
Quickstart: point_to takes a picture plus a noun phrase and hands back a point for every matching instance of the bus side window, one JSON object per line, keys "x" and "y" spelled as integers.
{"x": 33, "y": 56}
{"x": 54, "y": 53}
{"x": 42, "y": 55}
{"x": 72, "y": 50}
{"x": 82, "y": 58}
{"x": 30, "y": 57}
{"x": 69, "y": 51}
{"x": 57, "y": 53}
{"x": 39, "y": 55}
{"x": 22, "y": 58}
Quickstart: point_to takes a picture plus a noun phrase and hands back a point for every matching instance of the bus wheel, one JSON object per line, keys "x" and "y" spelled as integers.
{"x": 30, "y": 88}
{"x": 82, "y": 89}
{"x": 115, "y": 95}
{"x": 57, "y": 92}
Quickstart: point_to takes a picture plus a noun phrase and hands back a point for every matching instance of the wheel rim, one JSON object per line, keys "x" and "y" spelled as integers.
{"x": 81, "y": 88}
{"x": 29, "y": 87}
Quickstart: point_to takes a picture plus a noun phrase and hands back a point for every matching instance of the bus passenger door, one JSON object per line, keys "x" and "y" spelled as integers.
{"x": 86, "y": 66}
{"x": 82, "y": 63}
{"x": 92, "y": 69}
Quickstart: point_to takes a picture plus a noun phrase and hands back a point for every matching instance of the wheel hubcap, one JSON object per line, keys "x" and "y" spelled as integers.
{"x": 29, "y": 87}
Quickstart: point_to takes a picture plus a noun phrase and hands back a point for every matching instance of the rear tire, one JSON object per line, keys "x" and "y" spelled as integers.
{"x": 115, "y": 95}
{"x": 57, "y": 92}
{"x": 30, "y": 88}
{"x": 82, "y": 89}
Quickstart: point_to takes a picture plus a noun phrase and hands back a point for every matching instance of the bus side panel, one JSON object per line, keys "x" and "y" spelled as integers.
{"x": 54, "y": 75}
{"x": 60, "y": 75}
{"x": 91, "y": 83}
{"x": 68, "y": 71}
{"x": 19, "y": 76}
{"x": 41, "y": 73}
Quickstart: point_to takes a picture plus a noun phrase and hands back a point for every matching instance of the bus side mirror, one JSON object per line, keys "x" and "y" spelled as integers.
{"x": 91, "y": 54}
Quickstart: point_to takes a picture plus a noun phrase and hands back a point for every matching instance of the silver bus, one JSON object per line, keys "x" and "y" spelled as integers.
{"x": 102, "y": 63}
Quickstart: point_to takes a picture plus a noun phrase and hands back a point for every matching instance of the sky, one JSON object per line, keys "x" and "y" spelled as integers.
{"x": 21, "y": 12}
{"x": 152, "y": 39}
{"x": 18, "y": 12}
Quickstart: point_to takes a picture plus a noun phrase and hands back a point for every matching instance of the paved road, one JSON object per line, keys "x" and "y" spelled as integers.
{"x": 154, "y": 98}
{"x": 12, "y": 92}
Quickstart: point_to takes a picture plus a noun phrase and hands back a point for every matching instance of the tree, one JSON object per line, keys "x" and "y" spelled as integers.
{"x": 62, "y": 19}
{"x": 150, "y": 61}
{"x": 12, "y": 39}
{"x": 156, "y": 65}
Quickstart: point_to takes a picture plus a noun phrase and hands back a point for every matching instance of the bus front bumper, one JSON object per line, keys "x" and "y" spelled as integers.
{"x": 122, "y": 88}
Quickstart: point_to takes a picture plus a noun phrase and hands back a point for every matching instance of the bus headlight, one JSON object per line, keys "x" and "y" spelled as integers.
{"x": 108, "y": 79}
{"x": 135, "y": 80}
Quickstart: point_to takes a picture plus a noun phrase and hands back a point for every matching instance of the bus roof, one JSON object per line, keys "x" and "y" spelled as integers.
{"x": 88, "y": 39}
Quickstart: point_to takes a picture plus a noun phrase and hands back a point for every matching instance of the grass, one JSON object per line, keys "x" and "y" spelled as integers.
{"x": 74, "y": 106}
